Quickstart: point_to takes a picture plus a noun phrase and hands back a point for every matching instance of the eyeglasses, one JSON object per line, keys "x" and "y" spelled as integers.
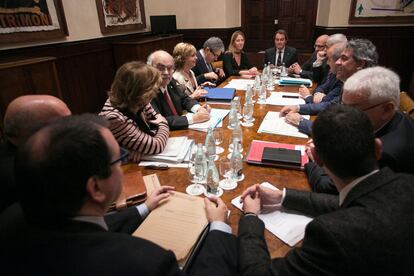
{"x": 318, "y": 46}
{"x": 122, "y": 157}
{"x": 162, "y": 67}
{"x": 214, "y": 54}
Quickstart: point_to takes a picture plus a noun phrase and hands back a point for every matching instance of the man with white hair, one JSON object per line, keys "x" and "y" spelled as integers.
{"x": 171, "y": 101}
{"x": 376, "y": 91}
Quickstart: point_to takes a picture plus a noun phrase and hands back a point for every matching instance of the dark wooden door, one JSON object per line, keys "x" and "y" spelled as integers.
{"x": 261, "y": 18}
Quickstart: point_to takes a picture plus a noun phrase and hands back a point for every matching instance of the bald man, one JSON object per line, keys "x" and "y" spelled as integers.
{"x": 23, "y": 115}
{"x": 306, "y": 70}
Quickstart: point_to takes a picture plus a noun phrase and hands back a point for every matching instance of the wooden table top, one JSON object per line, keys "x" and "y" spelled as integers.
{"x": 178, "y": 177}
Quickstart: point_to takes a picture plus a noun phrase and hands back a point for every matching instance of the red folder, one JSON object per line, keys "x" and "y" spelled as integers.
{"x": 255, "y": 153}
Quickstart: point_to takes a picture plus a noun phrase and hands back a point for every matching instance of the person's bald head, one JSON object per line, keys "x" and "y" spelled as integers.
{"x": 320, "y": 42}
{"x": 164, "y": 62}
{"x": 26, "y": 113}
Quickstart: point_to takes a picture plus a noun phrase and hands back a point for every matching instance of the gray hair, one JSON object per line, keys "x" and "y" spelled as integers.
{"x": 363, "y": 50}
{"x": 381, "y": 84}
{"x": 150, "y": 59}
{"x": 336, "y": 38}
{"x": 214, "y": 44}
{"x": 338, "y": 48}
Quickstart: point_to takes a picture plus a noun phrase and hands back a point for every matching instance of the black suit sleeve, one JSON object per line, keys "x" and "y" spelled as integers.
{"x": 311, "y": 204}
{"x": 124, "y": 221}
{"x": 319, "y": 180}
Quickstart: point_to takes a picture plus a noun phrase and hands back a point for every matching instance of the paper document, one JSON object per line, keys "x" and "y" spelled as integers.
{"x": 273, "y": 124}
{"x": 284, "y": 98}
{"x": 217, "y": 116}
{"x": 151, "y": 182}
{"x": 287, "y": 226}
{"x": 183, "y": 145}
{"x": 176, "y": 224}
{"x": 239, "y": 84}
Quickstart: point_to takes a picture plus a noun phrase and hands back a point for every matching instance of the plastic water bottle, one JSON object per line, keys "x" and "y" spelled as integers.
{"x": 200, "y": 164}
{"x": 257, "y": 82}
{"x": 236, "y": 163}
{"x": 210, "y": 143}
{"x": 212, "y": 177}
{"x": 232, "y": 115}
{"x": 262, "y": 95}
{"x": 236, "y": 135}
{"x": 249, "y": 94}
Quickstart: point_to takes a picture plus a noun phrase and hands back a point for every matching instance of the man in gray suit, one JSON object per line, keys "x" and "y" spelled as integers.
{"x": 281, "y": 54}
{"x": 367, "y": 230}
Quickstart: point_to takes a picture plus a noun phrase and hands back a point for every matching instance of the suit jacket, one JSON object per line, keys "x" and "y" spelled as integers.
{"x": 82, "y": 248}
{"x": 397, "y": 153}
{"x": 332, "y": 88}
{"x": 230, "y": 66}
{"x": 289, "y": 57}
{"x": 369, "y": 234}
{"x": 8, "y": 187}
{"x": 181, "y": 102}
{"x": 307, "y": 67}
{"x": 200, "y": 68}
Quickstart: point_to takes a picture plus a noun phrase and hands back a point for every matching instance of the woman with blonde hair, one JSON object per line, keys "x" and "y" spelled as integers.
{"x": 235, "y": 62}
{"x": 185, "y": 58}
{"x": 134, "y": 123}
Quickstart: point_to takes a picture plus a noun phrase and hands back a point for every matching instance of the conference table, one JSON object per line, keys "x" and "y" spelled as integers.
{"x": 296, "y": 179}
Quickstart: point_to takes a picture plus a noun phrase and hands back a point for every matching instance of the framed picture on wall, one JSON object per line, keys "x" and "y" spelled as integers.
{"x": 121, "y": 15}
{"x": 381, "y": 12}
{"x": 29, "y": 20}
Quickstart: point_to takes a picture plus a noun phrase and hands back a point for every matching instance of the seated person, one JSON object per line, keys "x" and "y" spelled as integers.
{"x": 358, "y": 54}
{"x": 235, "y": 62}
{"x": 185, "y": 58}
{"x": 306, "y": 70}
{"x": 376, "y": 91}
{"x": 23, "y": 115}
{"x": 69, "y": 173}
{"x": 170, "y": 100}
{"x": 281, "y": 53}
{"x": 366, "y": 230}
{"x": 134, "y": 123}
{"x": 203, "y": 70}
{"x": 324, "y": 95}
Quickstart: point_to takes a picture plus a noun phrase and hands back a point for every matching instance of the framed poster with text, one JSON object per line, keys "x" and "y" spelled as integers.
{"x": 381, "y": 11}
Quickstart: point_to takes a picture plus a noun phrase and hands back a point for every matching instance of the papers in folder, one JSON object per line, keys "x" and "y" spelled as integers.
{"x": 175, "y": 152}
{"x": 295, "y": 81}
{"x": 284, "y": 224}
{"x": 284, "y": 98}
{"x": 176, "y": 224}
{"x": 273, "y": 124}
{"x": 219, "y": 95}
{"x": 216, "y": 120}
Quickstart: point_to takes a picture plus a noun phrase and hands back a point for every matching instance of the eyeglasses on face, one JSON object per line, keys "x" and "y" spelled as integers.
{"x": 123, "y": 156}
{"x": 162, "y": 67}
{"x": 216, "y": 55}
{"x": 318, "y": 46}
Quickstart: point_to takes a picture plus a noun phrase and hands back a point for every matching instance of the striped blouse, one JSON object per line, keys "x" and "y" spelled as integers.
{"x": 130, "y": 136}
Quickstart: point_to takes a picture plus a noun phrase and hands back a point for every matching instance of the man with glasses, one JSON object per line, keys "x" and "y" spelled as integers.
{"x": 69, "y": 174}
{"x": 376, "y": 91}
{"x": 306, "y": 70}
{"x": 171, "y": 101}
{"x": 203, "y": 70}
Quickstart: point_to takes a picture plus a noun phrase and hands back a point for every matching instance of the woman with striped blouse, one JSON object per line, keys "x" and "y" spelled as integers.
{"x": 134, "y": 123}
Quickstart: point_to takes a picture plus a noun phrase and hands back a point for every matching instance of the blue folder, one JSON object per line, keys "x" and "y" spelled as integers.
{"x": 218, "y": 94}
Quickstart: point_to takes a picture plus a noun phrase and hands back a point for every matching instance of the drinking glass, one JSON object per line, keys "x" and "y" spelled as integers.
{"x": 195, "y": 177}
{"x": 247, "y": 115}
{"x": 225, "y": 171}
{"x": 218, "y": 138}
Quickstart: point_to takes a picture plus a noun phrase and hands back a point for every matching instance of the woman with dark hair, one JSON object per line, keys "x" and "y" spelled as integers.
{"x": 134, "y": 123}
{"x": 235, "y": 62}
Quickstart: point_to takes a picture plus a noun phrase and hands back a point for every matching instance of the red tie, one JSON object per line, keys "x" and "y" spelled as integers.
{"x": 170, "y": 103}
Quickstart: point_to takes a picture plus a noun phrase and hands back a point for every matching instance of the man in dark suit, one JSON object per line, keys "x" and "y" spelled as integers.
{"x": 306, "y": 70}
{"x": 376, "y": 91}
{"x": 171, "y": 101}
{"x": 203, "y": 70}
{"x": 23, "y": 115}
{"x": 367, "y": 230}
{"x": 281, "y": 54}
{"x": 69, "y": 174}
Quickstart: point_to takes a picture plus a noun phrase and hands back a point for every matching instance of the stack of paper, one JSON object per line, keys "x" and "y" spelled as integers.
{"x": 284, "y": 98}
{"x": 176, "y": 151}
{"x": 239, "y": 84}
{"x": 274, "y": 124}
{"x": 286, "y": 225}
{"x": 216, "y": 120}
{"x": 295, "y": 81}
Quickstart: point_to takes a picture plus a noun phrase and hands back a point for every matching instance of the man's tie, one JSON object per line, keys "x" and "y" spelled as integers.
{"x": 170, "y": 103}
{"x": 279, "y": 58}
